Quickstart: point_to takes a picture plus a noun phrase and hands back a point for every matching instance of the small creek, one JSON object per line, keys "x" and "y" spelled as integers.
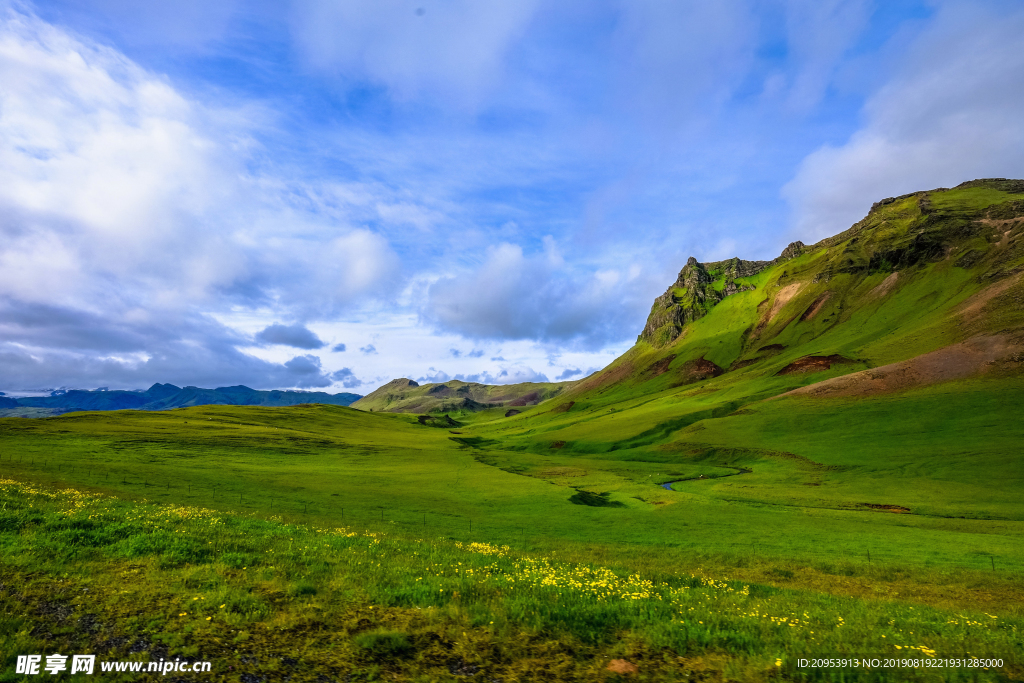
{"x": 739, "y": 470}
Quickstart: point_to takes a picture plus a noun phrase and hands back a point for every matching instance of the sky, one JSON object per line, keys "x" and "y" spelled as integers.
{"x": 329, "y": 194}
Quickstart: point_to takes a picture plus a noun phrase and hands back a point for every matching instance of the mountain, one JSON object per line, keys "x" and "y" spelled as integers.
{"x": 938, "y": 271}
{"x": 406, "y": 396}
{"x": 167, "y": 396}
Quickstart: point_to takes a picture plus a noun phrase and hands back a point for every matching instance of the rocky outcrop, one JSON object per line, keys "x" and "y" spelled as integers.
{"x": 690, "y": 297}
{"x": 792, "y": 251}
{"x": 693, "y": 293}
{"x": 735, "y": 267}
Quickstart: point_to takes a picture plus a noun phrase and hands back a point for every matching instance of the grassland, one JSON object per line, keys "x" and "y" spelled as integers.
{"x": 682, "y": 484}
{"x": 265, "y": 599}
{"x": 273, "y": 473}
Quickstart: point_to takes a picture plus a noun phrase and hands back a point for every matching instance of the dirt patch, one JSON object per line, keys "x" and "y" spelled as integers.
{"x": 784, "y": 296}
{"x": 697, "y": 370}
{"x": 563, "y": 408}
{"x": 884, "y": 287}
{"x": 622, "y": 667}
{"x": 557, "y": 444}
{"x": 510, "y": 413}
{"x": 971, "y": 309}
{"x": 998, "y": 222}
{"x": 813, "y": 364}
{"x": 958, "y": 361}
{"x": 898, "y": 509}
{"x": 816, "y": 306}
{"x": 660, "y": 367}
{"x": 526, "y": 399}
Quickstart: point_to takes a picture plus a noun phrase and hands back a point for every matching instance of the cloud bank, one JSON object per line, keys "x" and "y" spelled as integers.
{"x": 951, "y": 113}
{"x": 128, "y": 212}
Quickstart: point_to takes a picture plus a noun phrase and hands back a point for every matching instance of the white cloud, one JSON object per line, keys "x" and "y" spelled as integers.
{"x": 952, "y": 113}
{"x": 122, "y": 178}
{"x": 435, "y": 376}
{"x": 512, "y": 295}
{"x": 514, "y": 374}
{"x": 128, "y": 203}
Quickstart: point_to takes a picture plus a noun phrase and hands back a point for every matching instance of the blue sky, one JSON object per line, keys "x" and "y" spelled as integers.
{"x": 329, "y": 195}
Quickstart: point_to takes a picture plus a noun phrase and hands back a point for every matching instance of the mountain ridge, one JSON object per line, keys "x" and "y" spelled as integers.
{"x": 168, "y": 396}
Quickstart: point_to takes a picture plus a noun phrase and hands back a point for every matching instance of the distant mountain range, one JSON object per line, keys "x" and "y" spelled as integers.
{"x": 167, "y": 396}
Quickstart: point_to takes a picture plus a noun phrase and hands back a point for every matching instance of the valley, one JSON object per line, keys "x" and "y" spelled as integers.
{"x": 837, "y": 430}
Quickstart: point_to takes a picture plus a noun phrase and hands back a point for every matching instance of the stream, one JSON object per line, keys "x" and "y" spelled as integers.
{"x": 739, "y": 470}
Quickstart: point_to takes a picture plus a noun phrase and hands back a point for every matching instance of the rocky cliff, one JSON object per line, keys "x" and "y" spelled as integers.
{"x": 698, "y": 288}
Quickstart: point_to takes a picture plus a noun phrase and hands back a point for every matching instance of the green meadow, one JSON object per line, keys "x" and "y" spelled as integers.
{"x": 380, "y": 557}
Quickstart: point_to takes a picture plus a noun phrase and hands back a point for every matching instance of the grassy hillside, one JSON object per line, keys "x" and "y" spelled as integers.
{"x": 457, "y": 398}
{"x": 825, "y": 460}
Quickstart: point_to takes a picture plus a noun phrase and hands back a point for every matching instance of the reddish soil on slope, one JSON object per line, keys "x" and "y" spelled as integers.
{"x": 813, "y": 364}
{"x": 696, "y": 370}
{"x": 975, "y": 356}
{"x": 660, "y": 367}
{"x": 816, "y": 307}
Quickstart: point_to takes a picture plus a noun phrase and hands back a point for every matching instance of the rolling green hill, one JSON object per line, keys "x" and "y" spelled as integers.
{"x": 456, "y": 397}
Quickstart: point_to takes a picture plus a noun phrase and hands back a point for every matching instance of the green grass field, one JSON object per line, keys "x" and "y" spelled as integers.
{"x": 802, "y": 549}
